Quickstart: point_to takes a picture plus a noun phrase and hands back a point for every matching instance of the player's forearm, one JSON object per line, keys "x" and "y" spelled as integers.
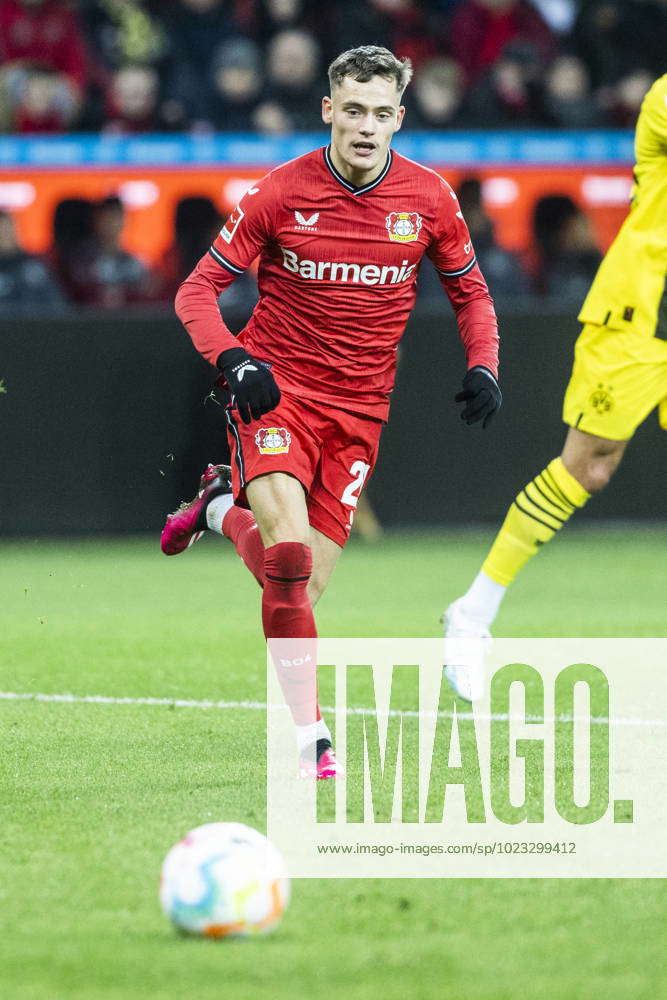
{"x": 196, "y": 306}
{"x": 476, "y": 318}
{"x": 478, "y": 329}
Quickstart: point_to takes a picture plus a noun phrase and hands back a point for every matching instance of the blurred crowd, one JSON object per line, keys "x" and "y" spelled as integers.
{"x": 132, "y": 66}
{"x": 88, "y": 266}
{"x": 135, "y": 66}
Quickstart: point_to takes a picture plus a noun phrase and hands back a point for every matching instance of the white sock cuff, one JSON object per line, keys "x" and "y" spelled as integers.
{"x": 323, "y": 732}
{"x": 306, "y": 736}
{"x": 483, "y": 599}
{"x": 216, "y": 511}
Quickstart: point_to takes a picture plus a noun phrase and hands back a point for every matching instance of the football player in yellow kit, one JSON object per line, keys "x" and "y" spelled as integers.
{"x": 619, "y": 376}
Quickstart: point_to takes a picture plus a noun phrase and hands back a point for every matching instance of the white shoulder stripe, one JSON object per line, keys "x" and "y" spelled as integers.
{"x": 461, "y": 271}
{"x": 227, "y": 264}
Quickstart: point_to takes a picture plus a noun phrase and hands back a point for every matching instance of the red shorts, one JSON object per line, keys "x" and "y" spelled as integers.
{"x": 330, "y": 451}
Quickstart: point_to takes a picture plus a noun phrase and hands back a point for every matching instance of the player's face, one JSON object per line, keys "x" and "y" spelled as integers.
{"x": 363, "y": 119}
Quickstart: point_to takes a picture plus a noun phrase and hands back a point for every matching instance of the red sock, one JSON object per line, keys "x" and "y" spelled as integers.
{"x": 287, "y": 614}
{"x": 240, "y": 526}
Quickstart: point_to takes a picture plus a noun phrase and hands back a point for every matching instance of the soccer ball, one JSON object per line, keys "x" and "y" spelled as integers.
{"x": 224, "y": 880}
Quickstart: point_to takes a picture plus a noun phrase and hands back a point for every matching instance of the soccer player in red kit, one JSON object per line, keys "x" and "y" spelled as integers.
{"x": 340, "y": 233}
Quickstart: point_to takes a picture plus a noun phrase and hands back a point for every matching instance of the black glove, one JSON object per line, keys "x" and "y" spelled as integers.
{"x": 481, "y": 394}
{"x": 251, "y": 383}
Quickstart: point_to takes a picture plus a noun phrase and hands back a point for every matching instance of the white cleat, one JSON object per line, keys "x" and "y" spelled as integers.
{"x": 467, "y": 643}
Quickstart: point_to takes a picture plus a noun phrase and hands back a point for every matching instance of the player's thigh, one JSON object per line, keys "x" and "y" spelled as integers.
{"x": 347, "y": 461}
{"x": 278, "y": 501}
{"x": 325, "y": 556}
{"x": 617, "y": 380}
{"x": 273, "y": 462}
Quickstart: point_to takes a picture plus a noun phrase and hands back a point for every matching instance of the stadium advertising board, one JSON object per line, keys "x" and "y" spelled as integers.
{"x": 152, "y": 173}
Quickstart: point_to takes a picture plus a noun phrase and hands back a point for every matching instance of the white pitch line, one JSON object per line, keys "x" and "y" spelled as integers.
{"x": 261, "y": 706}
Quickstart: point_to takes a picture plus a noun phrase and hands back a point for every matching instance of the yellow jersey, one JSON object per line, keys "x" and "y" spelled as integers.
{"x": 628, "y": 289}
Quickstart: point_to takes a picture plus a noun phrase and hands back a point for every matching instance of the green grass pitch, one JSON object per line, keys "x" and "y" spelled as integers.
{"x": 94, "y": 795}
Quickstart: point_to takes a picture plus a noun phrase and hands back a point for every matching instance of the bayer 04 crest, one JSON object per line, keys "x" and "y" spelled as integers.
{"x": 273, "y": 440}
{"x": 403, "y": 227}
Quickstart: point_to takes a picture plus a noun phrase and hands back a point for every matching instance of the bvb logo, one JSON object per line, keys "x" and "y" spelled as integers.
{"x": 601, "y": 399}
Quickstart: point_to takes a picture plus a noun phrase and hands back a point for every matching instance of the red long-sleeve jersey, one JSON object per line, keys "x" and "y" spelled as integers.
{"x": 337, "y": 277}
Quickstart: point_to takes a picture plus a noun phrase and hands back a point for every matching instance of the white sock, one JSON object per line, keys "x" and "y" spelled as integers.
{"x": 217, "y": 509}
{"x": 323, "y": 731}
{"x": 306, "y": 736}
{"x": 483, "y": 599}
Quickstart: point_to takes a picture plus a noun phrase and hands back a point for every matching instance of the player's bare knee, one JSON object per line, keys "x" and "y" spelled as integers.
{"x": 280, "y": 522}
{"x": 598, "y": 471}
{"x": 283, "y": 530}
{"x": 591, "y": 460}
{"x": 595, "y": 478}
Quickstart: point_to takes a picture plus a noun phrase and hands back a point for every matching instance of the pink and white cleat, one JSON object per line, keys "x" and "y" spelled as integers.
{"x": 187, "y": 524}
{"x": 326, "y": 767}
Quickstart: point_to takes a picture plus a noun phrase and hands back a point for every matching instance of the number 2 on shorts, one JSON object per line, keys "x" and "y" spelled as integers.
{"x": 359, "y": 470}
